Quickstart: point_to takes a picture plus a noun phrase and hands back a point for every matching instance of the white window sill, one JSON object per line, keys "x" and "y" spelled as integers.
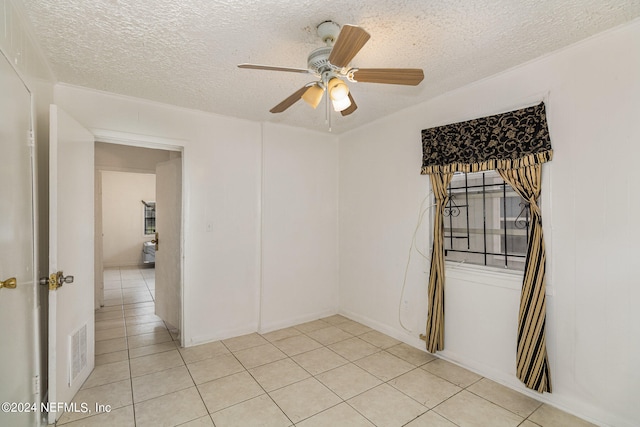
{"x": 486, "y": 276}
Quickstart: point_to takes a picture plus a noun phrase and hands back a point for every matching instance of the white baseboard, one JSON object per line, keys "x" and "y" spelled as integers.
{"x": 220, "y": 335}
{"x": 266, "y": 327}
{"x": 253, "y": 328}
{"x": 124, "y": 265}
{"x": 400, "y": 335}
{"x": 587, "y": 412}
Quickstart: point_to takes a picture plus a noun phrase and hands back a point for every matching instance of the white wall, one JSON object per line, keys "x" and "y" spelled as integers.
{"x": 300, "y": 226}
{"x": 224, "y": 221}
{"x": 381, "y": 192}
{"x": 124, "y": 158}
{"x": 590, "y": 205}
{"x": 122, "y": 216}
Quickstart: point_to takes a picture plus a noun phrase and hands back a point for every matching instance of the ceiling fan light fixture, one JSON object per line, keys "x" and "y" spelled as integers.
{"x": 338, "y": 89}
{"x": 313, "y": 95}
{"x": 339, "y": 94}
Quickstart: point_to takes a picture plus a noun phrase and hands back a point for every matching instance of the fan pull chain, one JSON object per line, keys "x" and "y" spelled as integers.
{"x": 328, "y": 112}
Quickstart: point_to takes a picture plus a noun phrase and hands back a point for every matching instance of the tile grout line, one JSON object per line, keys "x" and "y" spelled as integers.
{"x": 497, "y": 404}
{"x": 100, "y": 385}
{"x": 196, "y": 387}
{"x": 353, "y": 362}
{"x": 133, "y": 403}
{"x": 290, "y": 357}
{"x": 326, "y": 346}
{"x": 184, "y": 364}
{"x": 257, "y": 382}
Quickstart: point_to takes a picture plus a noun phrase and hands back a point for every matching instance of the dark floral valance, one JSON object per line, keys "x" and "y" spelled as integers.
{"x": 503, "y": 141}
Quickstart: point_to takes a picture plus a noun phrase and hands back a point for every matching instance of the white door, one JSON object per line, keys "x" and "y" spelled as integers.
{"x": 19, "y": 361}
{"x": 168, "y": 248}
{"x": 71, "y": 234}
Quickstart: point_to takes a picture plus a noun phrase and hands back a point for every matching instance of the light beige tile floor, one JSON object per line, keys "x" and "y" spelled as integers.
{"x": 328, "y": 372}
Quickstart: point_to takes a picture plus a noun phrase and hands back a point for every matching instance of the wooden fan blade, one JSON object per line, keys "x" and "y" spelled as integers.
{"x": 394, "y": 76}
{"x": 270, "y": 68}
{"x": 292, "y": 99}
{"x": 350, "y": 40}
{"x": 353, "y": 107}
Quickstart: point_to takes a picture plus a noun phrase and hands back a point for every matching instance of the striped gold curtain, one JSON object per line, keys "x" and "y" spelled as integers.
{"x": 515, "y": 143}
{"x": 532, "y": 361}
{"x": 434, "y": 335}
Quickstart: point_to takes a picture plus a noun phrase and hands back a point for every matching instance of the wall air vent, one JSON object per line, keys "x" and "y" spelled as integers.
{"x": 77, "y": 353}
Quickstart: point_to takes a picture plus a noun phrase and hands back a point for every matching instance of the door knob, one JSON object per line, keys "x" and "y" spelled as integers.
{"x": 65, "y": 279}
{"x": 9, "y": 283}
{"x": 56, "y": 280}
{"x": 156, "y": 241}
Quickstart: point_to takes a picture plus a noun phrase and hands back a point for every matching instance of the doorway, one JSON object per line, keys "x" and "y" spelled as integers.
{"x": 126, "y": 180}
{"x": 68, "y": 146}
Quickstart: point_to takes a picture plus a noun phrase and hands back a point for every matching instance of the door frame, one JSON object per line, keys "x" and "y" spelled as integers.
{"x": 158, "y": 143}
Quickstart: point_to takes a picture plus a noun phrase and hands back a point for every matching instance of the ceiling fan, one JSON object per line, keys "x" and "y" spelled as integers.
{"x": 330, "y": 64}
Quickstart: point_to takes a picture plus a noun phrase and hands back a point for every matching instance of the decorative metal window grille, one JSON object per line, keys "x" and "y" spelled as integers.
{"x": 485, "y": 222}
{"x": 149, "y": 217}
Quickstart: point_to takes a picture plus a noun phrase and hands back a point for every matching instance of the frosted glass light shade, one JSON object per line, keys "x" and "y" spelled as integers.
{"x": 341, "y": 104}
{"x": 339, "y": 93}
{"x": 338, "y": 89}
{"x": 313, "y": 95}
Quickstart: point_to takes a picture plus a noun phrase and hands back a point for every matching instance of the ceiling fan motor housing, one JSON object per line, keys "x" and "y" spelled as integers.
{"x": 318, "y": 60}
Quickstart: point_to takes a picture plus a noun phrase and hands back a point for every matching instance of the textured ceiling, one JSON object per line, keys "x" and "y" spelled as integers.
{"x": 185, "y": 52}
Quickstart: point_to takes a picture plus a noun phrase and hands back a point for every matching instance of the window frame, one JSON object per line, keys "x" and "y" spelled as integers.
{"x": 493, "y": 217}
{"x": 145, "y": 206}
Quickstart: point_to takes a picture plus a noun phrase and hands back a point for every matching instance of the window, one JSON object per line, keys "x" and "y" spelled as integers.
{"x": 149, "y": 218}
{"x": 485, "y": 222}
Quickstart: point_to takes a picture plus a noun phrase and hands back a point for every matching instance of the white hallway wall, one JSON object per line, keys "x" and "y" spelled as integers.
{"x": 236, "y": 181}
{"x": 590, "y": 207}
{"x": 122, "y": 216}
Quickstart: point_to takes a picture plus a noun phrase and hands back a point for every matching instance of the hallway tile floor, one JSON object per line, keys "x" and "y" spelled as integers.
{"x": 328, "y": 372}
